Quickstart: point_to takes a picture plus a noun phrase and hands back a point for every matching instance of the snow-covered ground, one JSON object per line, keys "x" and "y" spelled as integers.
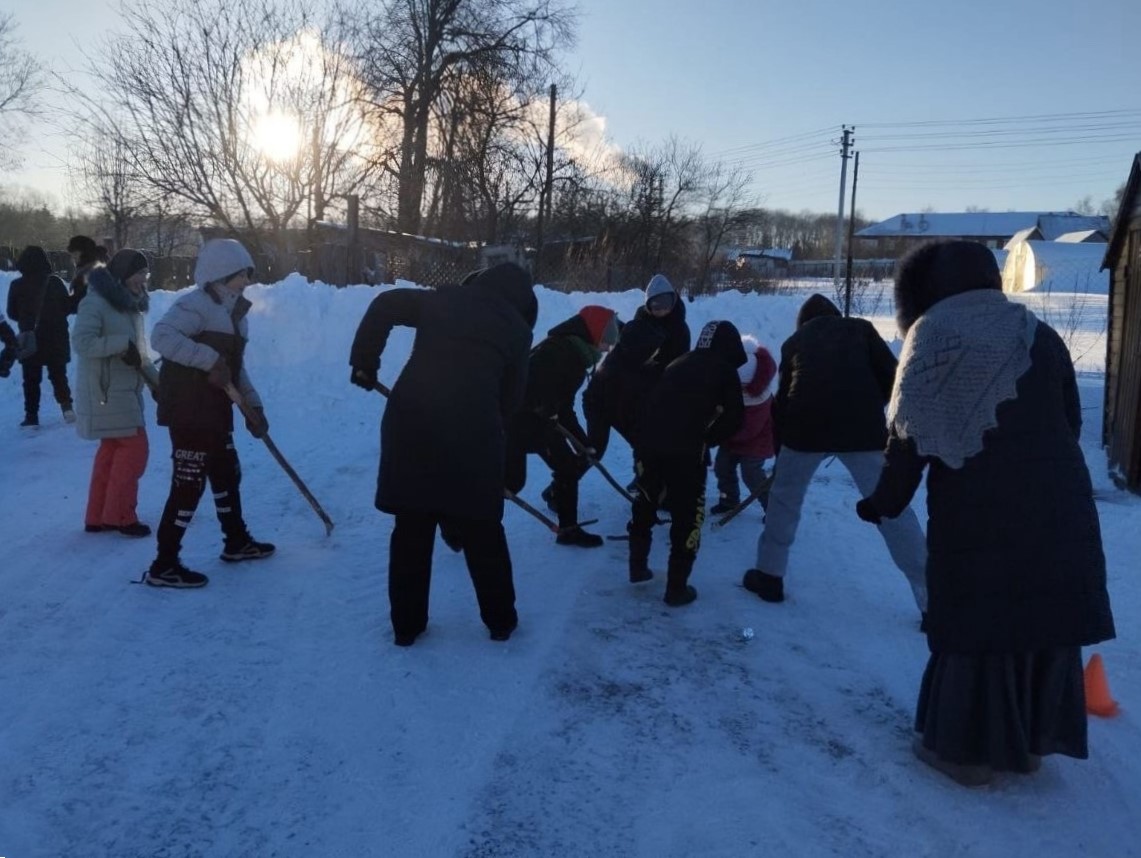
{"x": 270, "y": 714}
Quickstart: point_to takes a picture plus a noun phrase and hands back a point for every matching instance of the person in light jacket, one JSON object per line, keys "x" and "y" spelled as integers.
{"x": 202, "y": 340}
{"x": 109, "y": 338}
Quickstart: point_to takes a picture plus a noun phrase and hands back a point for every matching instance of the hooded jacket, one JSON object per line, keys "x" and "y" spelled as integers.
{"x": 442, "y": 444}
{"x": 836, "y": 376}
{"x": 557, "y": 369}
{"x": 108, "y": 392}
{"x": 38, "y": 300}
{"x": 681, "y": 417}
{"x": 619, "y": 387}
{"x": 201, "y": 326}
{"x": 755, "y": 437}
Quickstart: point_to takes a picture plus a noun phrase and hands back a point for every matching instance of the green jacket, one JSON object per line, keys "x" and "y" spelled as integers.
{"x": 108, "y": 394}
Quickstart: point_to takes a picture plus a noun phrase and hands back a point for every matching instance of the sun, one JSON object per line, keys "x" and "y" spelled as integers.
{"x": 277, "y": 135}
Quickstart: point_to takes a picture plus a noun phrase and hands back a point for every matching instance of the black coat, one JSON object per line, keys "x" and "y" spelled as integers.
{"x": 38, "y": 300}
{"x": 836, "y": 376}
{"x": 619, "y": 387}
{"x": 680, "y": 415}
{"x": 442, "y": 435}
{"x": 1015, "y": 560}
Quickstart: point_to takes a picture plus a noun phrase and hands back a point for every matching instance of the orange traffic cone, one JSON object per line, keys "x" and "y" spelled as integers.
{"x": 1098, "y": 699}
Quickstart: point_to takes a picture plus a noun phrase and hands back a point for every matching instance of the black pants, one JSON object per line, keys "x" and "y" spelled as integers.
{"x": 567, "y": 467}
{"x": 677, "y": 484}
{"x": 33, "y": 378}
{"x": 410, "y": 569}
{"x": 200, "y": 457}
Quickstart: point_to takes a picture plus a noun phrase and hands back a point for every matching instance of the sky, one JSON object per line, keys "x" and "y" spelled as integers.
{"x": 270, "y": 714}
{"x": 1015, "y": 105}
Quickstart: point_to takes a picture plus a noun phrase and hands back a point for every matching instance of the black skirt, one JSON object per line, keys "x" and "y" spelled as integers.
{"x": 998, "y": 710}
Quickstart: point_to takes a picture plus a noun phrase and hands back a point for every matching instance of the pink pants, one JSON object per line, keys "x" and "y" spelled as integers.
{"x": 114, "y": 493}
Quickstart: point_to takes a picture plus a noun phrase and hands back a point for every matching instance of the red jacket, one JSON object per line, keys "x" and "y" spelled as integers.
{"x": 755, "y": 437}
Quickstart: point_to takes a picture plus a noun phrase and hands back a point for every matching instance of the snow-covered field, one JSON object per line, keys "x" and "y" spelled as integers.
{"x": 270, "y": 715}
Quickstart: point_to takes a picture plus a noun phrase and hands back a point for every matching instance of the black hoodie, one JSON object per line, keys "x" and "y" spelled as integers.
{"x": 680, "y": 415}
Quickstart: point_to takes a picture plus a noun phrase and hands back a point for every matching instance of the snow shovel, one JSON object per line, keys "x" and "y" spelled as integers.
{"x": 247, "y": 412}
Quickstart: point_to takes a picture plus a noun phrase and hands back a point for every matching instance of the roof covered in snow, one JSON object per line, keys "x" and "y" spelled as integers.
{"x": 981, "y": 224}
{"x": 1083, "y": 236}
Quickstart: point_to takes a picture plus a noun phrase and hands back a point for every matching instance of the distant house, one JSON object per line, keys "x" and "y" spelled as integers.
{"x": 1121, "y": 426}
{"x": 1054, "y": 266}
{"x": 759, "y": 261}
{"x": 994, "y": 229}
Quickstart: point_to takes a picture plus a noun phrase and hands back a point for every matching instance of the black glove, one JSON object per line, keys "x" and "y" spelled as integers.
{"x": 131, "y": 356}
{"x": 257, "y": 423}
{"x": 867, "y": 511}
{"x": 365, "y": 378}
{"x": 7, "y": 358}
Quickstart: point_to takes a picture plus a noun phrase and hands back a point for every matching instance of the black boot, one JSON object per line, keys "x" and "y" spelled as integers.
{"x": 639, "y": 556}
{"x": 548, "y": 496}
{"x": 575, "y": 535}
{"x": 678, "y": 590}
{"x": 769, "y": 587}
{"x": 724, "y": 504}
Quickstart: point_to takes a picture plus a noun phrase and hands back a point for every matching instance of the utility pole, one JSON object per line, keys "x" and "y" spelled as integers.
{"x": 846, "y": 145}
{"x": 851, "y": 234}
{"x": 548, "y": 182}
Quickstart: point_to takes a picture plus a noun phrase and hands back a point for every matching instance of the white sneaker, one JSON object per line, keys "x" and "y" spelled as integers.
{"x": 68, "y": 415}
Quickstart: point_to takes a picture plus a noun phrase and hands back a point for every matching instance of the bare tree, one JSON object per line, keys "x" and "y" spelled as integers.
{"x": 411, "y": 49}
{"x": 21, "y": 77}
{"x": 247, "y": 111}
{"x": 726, "y": 199}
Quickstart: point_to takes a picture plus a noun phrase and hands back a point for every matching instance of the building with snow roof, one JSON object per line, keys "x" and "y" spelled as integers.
{"x": 994, "y": 229}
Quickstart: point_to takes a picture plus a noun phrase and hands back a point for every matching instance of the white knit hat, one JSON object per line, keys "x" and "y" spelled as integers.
{"x": 219, "y": 259}
{"x": 659, "y": 285}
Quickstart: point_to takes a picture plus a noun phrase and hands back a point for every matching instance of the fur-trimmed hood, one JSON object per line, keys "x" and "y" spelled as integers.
{"x": 938, "y": 270}
{"x": 112, "y": 290}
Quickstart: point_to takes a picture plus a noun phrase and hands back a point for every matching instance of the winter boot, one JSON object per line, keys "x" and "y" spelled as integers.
{"x": 548, "y": 496}
{"x": 724, "y": 504}
{"x": 769, "y": 587}
{"x": 31, "y": 420}
{"x": 407, "y": 638}
{"x": 639, "y": 557}
{"x": 681, "y": 595}
{"x": 68, "y": 412}
{"x": 577, "y": 536}
{"x": 678, "y": 590}
{"x": 135, "y": 530}
{"x": 503, "y": 633}
{"x": 163, "y": 574}
{"x": 246, "y": 549}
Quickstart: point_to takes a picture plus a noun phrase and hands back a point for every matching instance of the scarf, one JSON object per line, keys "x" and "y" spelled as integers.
{"x": 960, "y": 361}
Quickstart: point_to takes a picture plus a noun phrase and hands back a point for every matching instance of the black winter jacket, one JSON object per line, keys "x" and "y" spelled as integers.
{"x": 836, "y": 376}
{"x": 680, "y": 416}
{"x": 38, "y": 300}
{"x": 442, "y": 447}
{"x": 619, "y": 387}
{"x": 1015, "y": 560}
